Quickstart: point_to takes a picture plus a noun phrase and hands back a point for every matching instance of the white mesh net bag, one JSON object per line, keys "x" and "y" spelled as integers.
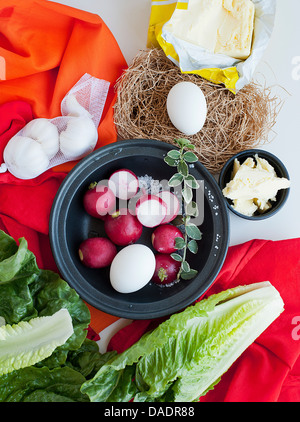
{"x": 45, "y": 143}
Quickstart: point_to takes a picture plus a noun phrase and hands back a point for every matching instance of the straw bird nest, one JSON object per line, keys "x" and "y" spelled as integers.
{"x": 234, "y": 122}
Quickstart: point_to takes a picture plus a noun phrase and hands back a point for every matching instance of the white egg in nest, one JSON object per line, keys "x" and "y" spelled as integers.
{"x": 187, "y": 107}
{"x": 132, "y": 268}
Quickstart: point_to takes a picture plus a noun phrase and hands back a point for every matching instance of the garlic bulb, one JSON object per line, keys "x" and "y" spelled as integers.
{"x": 25, "y": 158}
{"x": 79, "y": 138}
{"x": 45, "y": 133}
{"x": 74, "y": 108}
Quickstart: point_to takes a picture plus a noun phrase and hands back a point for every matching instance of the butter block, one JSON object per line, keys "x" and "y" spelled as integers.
{"x": 219, "y": 26}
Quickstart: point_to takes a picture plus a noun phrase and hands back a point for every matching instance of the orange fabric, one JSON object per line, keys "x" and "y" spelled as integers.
{"x": 47, "y": 47}
{"x": 99, "y": 319}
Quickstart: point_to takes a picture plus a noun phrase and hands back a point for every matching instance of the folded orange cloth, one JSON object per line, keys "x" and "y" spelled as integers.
{"x": 45, "y": 48}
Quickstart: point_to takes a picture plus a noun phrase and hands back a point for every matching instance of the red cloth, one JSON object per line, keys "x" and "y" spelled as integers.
{"x": 269, "y": 370}
{"x": 14, "y": 116}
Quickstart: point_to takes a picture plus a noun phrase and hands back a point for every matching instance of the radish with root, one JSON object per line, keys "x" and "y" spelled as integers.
{"x": 166, "y": 269}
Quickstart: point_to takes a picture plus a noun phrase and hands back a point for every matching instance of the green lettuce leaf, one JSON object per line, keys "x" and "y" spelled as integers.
{"x": 33, "y": 384}
{"x": 87, "y": 360}
{"x": 15, "y": 262}
{"x": 29, "y": 342}
{"x": 27, "y": 293}
{"x": 187, "y": 354}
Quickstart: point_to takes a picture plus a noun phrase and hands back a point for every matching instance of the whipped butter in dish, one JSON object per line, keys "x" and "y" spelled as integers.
{"x": 253, "y": 186}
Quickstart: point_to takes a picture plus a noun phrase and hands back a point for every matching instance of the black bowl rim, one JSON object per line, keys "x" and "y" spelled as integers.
{"x": 251, "y": 152}
{"x": 56, "y": 220}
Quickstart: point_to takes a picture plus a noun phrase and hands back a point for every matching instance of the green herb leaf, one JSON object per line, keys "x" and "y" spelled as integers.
{"x": 191, "y": 181}
{"x": 182, "y": 142}
{"x": 185, "y": 267}
{"x": 190, "y": 146}
{"x": 174, "y": 153}
{"x": 191, "y": 209}
{"x": 170, "y": 161}
{"x": 179, "y": 243}
{"x": 187, "y": 194}
{"x": 193, "y": 246}
{"x": 189, "y": 274}
{"x": 176, "y": 257}
{"x": 190, "y": 157}
{"x": 193, "y": 231}
{"x": 183, "y": 168}
{"x": 175, "y": 180}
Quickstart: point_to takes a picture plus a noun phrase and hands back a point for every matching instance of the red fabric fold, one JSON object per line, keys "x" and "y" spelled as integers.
{"x": 269, "y": 370}
{"x": 14, "y": 116}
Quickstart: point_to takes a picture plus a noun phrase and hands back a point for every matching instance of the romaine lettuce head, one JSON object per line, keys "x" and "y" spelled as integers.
{"x": 186, "y": 355}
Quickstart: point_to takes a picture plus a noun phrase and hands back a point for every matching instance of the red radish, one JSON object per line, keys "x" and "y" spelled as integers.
{"x": 97, "y": 252}
{"x": 172, "y": 203}
{"x": 166, "y": 269}
{"x": 99, "y": 200}
{"x": 122, "y": 227}
{"x": 150, "y": 210}
{"x": 124, "y": 183}
{"x": 163, "y": 238}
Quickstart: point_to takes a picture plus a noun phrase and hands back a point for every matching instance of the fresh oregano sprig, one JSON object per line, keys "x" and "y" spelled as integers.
{"x": 181, "y": 158}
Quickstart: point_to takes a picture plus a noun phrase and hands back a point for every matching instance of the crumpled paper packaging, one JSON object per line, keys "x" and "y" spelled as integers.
{"x": 217, "y": 68}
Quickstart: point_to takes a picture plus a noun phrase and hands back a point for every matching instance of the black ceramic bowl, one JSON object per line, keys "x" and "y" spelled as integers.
{"x": 280, "y": 169}
{"x": 70, "y": 224}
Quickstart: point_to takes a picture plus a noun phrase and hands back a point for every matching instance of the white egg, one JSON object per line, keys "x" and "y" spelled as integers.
{"x": 132, "y": 268}
{"x": 186, "y": 107}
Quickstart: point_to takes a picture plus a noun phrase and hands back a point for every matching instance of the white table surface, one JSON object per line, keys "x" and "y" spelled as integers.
{"x": 280, "y": 67}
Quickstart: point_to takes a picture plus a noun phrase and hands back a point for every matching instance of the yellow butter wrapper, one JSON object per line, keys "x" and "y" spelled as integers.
{"x": 218, "y": 68}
